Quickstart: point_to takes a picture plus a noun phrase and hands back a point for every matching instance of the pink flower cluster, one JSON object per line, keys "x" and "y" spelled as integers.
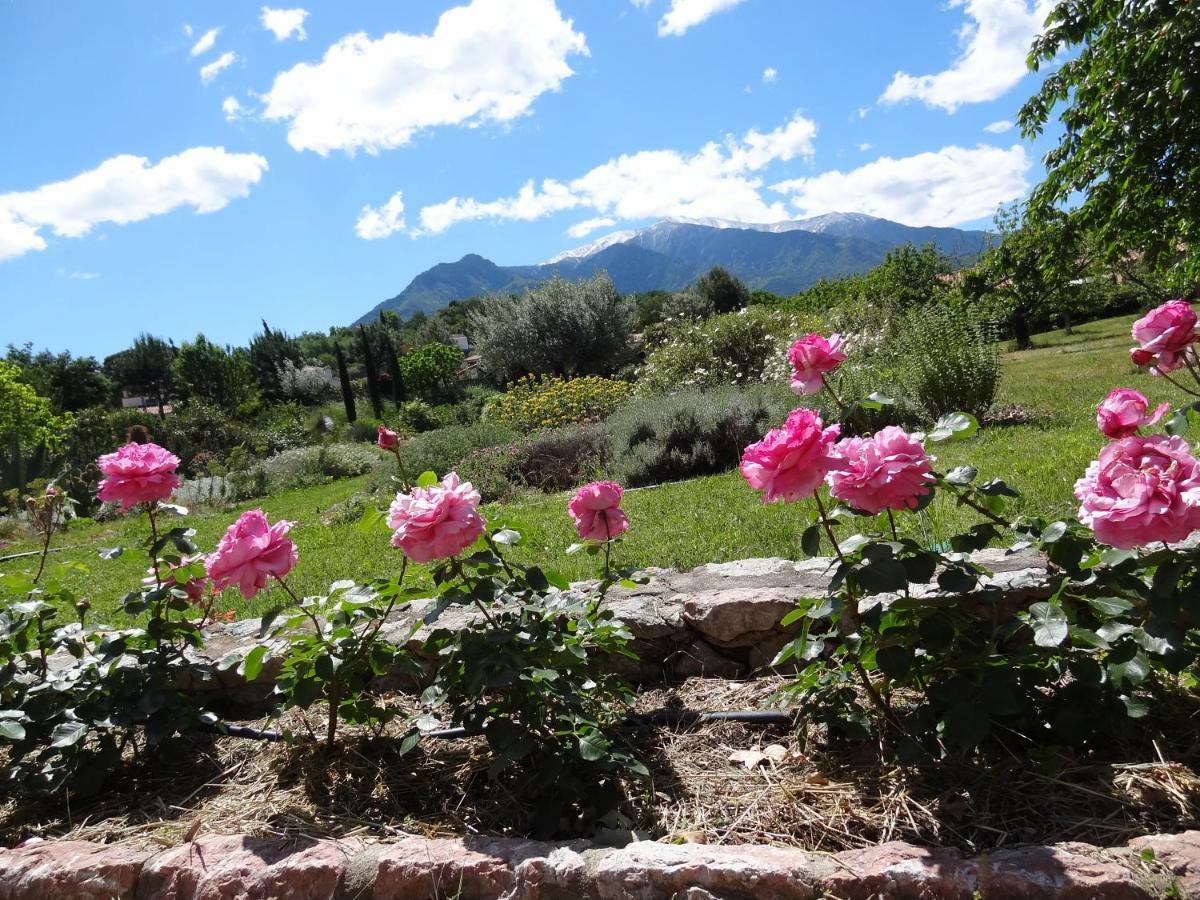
{"x": 790, "y": 462}
{"x": 596, "y": 510}
{"x": 436, "y": 522}
{"x": 1124, "y": 411}
{"x": 137, "y": 473}
{"x": 1165, "y": 337}
{"x": 251, "y": 551}
{"x": 813, "y": 357}
{"x": 1141, "y": 490}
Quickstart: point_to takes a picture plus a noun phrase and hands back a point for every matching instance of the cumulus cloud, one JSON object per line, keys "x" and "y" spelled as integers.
{"x": 999, "y": 127}
{"x": 946, "y": 187}
{"x": 217, "y": 66}
{"x": 995, "y": 41}
{"x": 718, "y": 181}
{"x": 375, "y": 223}
{"x": 770, "y": 76}
{"x": 587, "y": 226}
{"x": 284, "y": 23}
{"x": 125, "y": 189}
{"x": 206, "y": 42}
{"x": 484, "y": 62}
{"x": 233, "y": 109}
{"x": 685, "y": 14}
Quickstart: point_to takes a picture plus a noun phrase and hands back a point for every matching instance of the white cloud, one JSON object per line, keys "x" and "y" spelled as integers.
{"x": 217, "y": 66}
{"x": 378, "y": 223}
{"x": 684, "y": 14}
{"x": 641, "y": 4}
{"x": 283, "y": 23}
{"x": 995, "y": 41}
{"x": 484, "y": 62}
{"x": 587, "y": 226}
{"x": 125, "y": 189}
{"x": 770, "y": 76}
{"x": 716, "y": 181}
{"x": 864, "y": 147}
{"x": 946, "y": 187}
{"x": 233, "y": 109}
{"x": 206, "y": 42}
{"x": 188, "y": 31}
{"x": 78, "y": 276}
{"x": 999, "y": 127}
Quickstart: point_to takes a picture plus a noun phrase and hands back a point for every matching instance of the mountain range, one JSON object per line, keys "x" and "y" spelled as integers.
{"x": 783, "y": 257}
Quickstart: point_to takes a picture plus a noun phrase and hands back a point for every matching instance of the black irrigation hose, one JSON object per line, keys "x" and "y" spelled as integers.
{"x": 646, "y": 720}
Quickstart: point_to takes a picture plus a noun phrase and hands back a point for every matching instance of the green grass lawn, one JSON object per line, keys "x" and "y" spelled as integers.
{"x": 707, "y": 519}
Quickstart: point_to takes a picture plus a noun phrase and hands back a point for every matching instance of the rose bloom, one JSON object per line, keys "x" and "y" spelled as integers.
{"x": 1123, "y": 412}
{"x": 888, "y": 470}
{"x": 812, "y": 358}
{"x": 193, "y": 587}
{"x": 137, "y": 473}
{"x": 251, "y": 551}
{"x": 1165, "y": 336}
{"x": 790, "y": 462}
{"x": 596, "y": 509}
{"x": 1141, "y": 490}
{"x": 436, "y": 522}
{"x": 388, "y": 439}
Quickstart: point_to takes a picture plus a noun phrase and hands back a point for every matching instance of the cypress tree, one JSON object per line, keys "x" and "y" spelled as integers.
{"x": 372, "y": 374}
{"x": 347, "y": 389}
{"x": 394, "y": 371}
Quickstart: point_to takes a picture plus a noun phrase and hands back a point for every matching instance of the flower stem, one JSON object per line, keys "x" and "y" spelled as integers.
{"x": 824, "y": 518}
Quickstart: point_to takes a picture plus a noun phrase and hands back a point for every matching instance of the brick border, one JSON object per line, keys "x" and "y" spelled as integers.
{"x": 224, "y": 867}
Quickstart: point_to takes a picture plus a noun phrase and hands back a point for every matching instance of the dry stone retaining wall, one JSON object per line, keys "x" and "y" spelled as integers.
{"x": 240, "y": 867}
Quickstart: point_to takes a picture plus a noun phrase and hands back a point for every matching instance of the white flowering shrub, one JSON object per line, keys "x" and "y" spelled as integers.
{"x": 309, "y": 385}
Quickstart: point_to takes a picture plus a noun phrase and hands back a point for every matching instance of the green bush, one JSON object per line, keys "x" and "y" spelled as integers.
{"x": 947, "y": 360}
{"x": 564, "y": 458}
{"x": 536, "y": 402}
{"x": 692, "y": 433}
{"x": 492, "y": 471}
{"x": 745, "y": 347}
{"x": 305, "y": 466}
{"x": 443, "y": 449}
{"x": 417, "y": 416}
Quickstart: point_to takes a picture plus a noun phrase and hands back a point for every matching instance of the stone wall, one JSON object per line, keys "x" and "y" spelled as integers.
{"x": 241, "y": 867}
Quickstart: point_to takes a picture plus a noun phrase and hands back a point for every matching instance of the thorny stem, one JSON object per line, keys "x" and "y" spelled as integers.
{"x": 892, "y": 522}
{"x": 837, "y": 551}
{"x": 153, "y": 543}
{"x": 1183, "y": 388}
{"x": 984, "y": 511}
{"x": 404, "y": 482}
{"x": 45, "y": 550}
{"x": 461, "y": 572}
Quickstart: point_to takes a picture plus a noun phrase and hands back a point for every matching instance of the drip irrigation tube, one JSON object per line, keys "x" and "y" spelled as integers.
{"x": 645, "y": 720}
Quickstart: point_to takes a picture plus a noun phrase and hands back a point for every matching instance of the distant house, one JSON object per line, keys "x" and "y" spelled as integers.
{"x": 461, "y": 342}
{"x": 469, "y": 371}
{"x": 145, "y": 404}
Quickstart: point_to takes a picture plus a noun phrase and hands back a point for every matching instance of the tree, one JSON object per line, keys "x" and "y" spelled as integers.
{"x": 560, "y": 328}
{"x": 429, "y": 371}
{"x": 27, "y": 419}
{"x": 397, "y": 376}
{"x": 1131, "y": 140}
{"x": 268, "y": 351}
{"x": 372, "y": 373}
{"x": 720, "y": 289}
{"x": 145, "y": 369}
{"x": 1036, "y": 267}
{"x": 216, "y": 375}
{"x": 347, "y": 388}
{"x": 70, "y": 383}
{"x": 907, "y": 277}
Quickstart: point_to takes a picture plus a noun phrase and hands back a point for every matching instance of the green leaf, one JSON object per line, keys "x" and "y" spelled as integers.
{"x": 252, "y": 665}
{"x": 427, "y": 479}
{"x": 995, "y": 487}
{"x": 810, "y": 541}
{"x": 961, "y": 475}
{"x": 11, "y": 731}
{"x": 593, "y": 746}
{"x": 111, "y": 552}
{"x": 68, "y": 734}
{"x": 507, "y": 537}
{"x": 1130, "y": 673}
{"x": 954, "y": 426}
{"x": 894, "y": 662}
{"x": 1049, "y": 623}
{"x": 372, "y": 519}
{"x": 575, "y": 548}
{"x": 966, "y": 725}
{"x": 1109, "y": 606}
{"x": 1054, "y": 532}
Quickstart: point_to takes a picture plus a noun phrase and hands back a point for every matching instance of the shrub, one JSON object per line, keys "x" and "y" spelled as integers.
{"x": 559, "y": 328}
{"x": 304, "y": 466}
{"x": 430, "y": 370}
{"x": 947, "y": 360}
{"x": 442, "y": 450}
{"x": 562, "y": 459}
{"x": 692, "y": 433}
{"x": 549, "y": 402}
{"x": 492, "y": 470}
{"x": 283, "y": 426}
{"x": 307, "y": 385}
{"x": 745, "y": 347}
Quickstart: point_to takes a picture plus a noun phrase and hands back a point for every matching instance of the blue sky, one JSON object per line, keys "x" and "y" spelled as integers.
{"x": 302, "y": 163}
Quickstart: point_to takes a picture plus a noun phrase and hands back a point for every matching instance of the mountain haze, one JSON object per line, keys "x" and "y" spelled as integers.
{"x": 783, "y": 257}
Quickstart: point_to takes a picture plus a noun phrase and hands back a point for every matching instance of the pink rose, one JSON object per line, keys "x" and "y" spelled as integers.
{"x": 812, "y": 358}
{"x": 193, "y": 587}
{"x": 251, "y": 551}
{"x": 436, "y": 522}
{"x": 1141, "y": 490}
{"x": 1167, "y": 332}
{"x": 388, "y": 439}
{"x": 790, "y": 462}
{"x": 888, "y": 470}
{"x": 596, "y": 509}
{"x": 138, "y": 473}
{"x": 1123, "y": 412}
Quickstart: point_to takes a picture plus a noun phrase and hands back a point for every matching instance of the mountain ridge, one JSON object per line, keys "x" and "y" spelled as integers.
{"x": 783, "y": 257}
